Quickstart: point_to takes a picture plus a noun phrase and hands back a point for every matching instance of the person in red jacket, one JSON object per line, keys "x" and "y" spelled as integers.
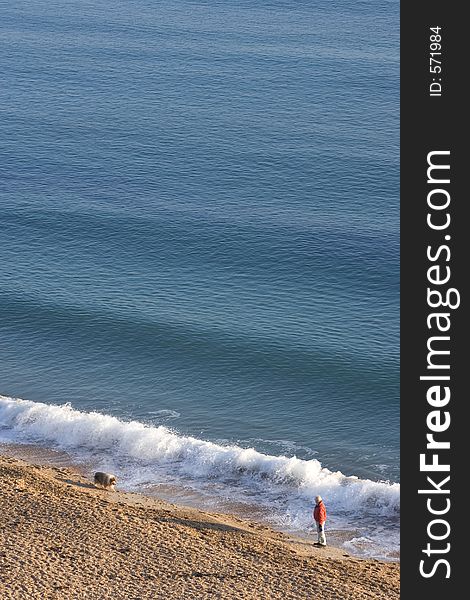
{"x": 319, "y": 514}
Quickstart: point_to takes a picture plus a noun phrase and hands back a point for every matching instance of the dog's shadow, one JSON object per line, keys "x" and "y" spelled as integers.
{"x": 89, "y": 486}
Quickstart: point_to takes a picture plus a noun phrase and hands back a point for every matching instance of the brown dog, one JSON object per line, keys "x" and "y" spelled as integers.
{"x": 105, "y": 480}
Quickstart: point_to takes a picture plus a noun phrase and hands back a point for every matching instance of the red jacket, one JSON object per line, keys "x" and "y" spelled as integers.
{"x": 319, "y": 513}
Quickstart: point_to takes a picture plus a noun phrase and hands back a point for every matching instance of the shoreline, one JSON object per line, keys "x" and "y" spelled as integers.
{"x": 63, "y": 538}
{"x": 53, "y": 457}
{"x": 276, "y": 490}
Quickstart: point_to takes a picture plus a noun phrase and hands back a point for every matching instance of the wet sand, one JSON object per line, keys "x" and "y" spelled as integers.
{"x": 62, "y": 538}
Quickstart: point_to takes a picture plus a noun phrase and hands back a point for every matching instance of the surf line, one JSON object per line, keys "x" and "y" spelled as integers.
{"x": 441, "y": 300}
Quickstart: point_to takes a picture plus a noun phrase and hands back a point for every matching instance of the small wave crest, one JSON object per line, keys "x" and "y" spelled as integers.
{"x": 164, "y": 414}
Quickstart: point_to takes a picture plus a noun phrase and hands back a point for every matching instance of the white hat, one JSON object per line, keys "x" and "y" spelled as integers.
{"x": 318, "y": 499}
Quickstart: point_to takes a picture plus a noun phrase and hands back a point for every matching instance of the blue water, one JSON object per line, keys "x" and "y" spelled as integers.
{"x": 199, "y": 220}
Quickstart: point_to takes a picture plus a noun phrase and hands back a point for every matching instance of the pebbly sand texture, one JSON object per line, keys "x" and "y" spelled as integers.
{"x": 62, "y": 538}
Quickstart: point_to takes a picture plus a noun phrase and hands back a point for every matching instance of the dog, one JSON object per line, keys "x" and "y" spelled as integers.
{"x": 105, "y": 480}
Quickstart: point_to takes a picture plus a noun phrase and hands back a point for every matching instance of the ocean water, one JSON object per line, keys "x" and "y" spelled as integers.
{"x": 199, "y": 251}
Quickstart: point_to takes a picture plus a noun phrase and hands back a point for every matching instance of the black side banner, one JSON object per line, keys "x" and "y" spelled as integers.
{"x": 434, "y": 295}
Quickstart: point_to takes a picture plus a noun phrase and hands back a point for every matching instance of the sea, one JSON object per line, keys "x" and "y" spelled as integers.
{"x": 199, "y": 252}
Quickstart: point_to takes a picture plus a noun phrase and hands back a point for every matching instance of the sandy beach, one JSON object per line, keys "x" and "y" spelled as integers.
{"x": 62, "y": 538}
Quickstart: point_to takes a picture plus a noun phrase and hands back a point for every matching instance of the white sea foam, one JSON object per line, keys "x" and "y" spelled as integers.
{"x": 286, "y": 484}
